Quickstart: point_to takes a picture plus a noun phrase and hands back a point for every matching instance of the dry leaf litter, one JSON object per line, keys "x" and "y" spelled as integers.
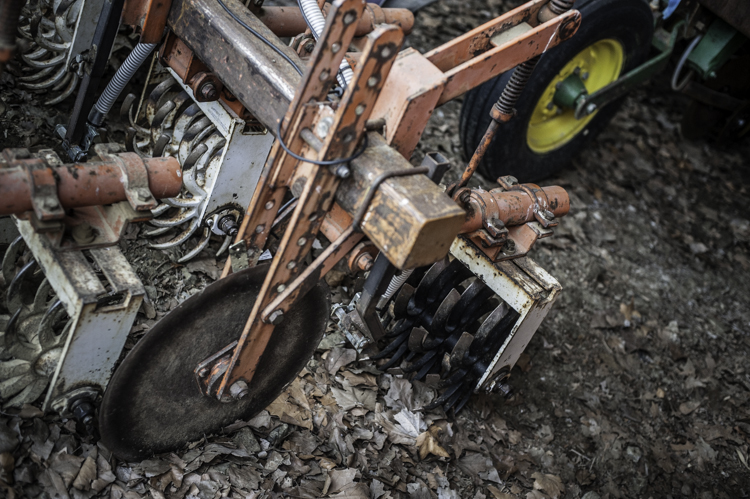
{"x": 636, "y": 385}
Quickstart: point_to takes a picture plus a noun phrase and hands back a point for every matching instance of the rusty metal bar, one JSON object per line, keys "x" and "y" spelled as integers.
{"x": 510, "y": 207}
{"x": 288, "y": 21}
{"x": 77, "y": 185}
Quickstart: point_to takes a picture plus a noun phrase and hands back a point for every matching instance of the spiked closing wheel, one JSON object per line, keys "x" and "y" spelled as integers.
{"x": 447, "y": 329}
{"x": 153, "y": 403}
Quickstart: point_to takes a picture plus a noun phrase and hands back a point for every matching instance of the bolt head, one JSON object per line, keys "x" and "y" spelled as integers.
{"x": 591, "y": 108}
{"x": 276, "y": 317}
{"x": 209, "y": 91}
{"x": 342, "y": 171}
{"x": 239, "y": 390}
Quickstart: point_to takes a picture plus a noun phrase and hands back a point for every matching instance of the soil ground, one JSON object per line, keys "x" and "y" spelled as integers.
{"x": 635, "y": 386}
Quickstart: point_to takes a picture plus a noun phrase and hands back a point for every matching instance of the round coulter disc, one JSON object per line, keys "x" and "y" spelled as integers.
{"x": 153, "y": 404}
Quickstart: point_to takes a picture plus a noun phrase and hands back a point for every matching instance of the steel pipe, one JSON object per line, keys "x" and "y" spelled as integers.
{"x": 288, "y": 21}
{"x": 510, "y": 207}
{"x": 87, "y": 184}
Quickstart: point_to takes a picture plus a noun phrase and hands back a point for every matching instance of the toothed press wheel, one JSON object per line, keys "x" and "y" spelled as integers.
{"x": 448, "y": 328}
{"x": 32, "y": 342}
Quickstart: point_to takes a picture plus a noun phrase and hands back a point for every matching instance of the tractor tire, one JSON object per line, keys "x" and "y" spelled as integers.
{"x": 614, "y": 37}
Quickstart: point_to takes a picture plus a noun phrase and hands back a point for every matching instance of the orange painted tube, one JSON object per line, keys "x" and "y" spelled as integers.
{"x": 514, "y": 207}
{"x": 86, "y": 184}
{"x": 288, "y": 21}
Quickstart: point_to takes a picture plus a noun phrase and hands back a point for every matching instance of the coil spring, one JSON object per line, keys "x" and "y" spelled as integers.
{"x": 515, "y": 85}
{"x": 560, "y": 6}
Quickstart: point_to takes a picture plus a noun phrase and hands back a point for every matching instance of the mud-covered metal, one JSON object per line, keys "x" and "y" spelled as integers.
{"x": 461, "y": 324}
{"x": 259, "y": 78}
{"x": 76, "y": 324}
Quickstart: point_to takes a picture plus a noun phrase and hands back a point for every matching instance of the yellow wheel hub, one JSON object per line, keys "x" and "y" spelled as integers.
{"x": 551, "y": 126}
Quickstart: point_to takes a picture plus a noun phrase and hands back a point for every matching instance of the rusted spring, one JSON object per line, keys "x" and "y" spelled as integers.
{"x": 317, "y": 22}
{"x": 560, "y": 6}
{"x": 513, "y": 89}
{"x": 476, "y": 158}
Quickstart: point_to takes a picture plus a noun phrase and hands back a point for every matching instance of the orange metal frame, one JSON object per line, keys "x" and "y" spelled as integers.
{"x": 399, "y": 89}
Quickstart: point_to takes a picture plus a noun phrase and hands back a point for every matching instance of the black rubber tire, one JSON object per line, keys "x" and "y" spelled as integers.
{"x": 628, "y": 21}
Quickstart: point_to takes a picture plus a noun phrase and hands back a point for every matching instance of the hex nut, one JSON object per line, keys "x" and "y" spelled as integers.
{"x": 239, "y": 390}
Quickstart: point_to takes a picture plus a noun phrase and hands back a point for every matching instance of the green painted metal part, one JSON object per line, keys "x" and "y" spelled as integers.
{"x": 715, "y": 48}
{"x": 664, "y": 41}
{"x": 569, "y": 91}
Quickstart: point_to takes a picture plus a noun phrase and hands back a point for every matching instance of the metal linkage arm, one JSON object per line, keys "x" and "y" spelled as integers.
{"x": 315, "y": 181}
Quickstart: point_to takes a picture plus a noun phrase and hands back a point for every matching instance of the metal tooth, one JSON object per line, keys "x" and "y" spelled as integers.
{"x": 473, "y": 299}
{"x": 31, "y": 340}
{"x": 180, "y": 238}
{"x": 22, "y": 80}
{"x": 437, "y": 325}
{"x": 416, "y": 338}
{"x": 444, "y": 336}
{"x": 461, "y": 348}
{"x": 225, "y": 245}
{"x": 404, "y": 346}
{"x": 401, "y": 302}
{"x": 420, "y": 294}
{"x": 445, "y": 396}
{"x": 392, "y": 346}
{"x": 15, "y": 297}
{"x": 202, "y": 243}
{"x": 429, "y": 356}
{"x": 426, "y": 368}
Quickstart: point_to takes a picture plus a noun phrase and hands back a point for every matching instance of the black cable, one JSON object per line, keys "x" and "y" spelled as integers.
{"x": 329, "y": 162}
{"x": 261, "y": 37}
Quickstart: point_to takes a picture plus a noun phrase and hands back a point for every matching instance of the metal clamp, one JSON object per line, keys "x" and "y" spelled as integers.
{"x": 134, "y": 175}
{"x": 541, "y": 212}
{"x": 43, "y": 187}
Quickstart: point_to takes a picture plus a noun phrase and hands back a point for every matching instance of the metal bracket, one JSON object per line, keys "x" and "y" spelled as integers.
{"x": 134, "y": 175}
{"x": 588, "y": 104}
{"x": 43, "y": 187}
{"x": 101, "y": 317}
{"x": 238, "y": 254}
{"x": 525, "y": 287}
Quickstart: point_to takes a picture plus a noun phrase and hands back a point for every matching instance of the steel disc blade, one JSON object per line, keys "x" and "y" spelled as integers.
{"x": 153, "y": 404}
